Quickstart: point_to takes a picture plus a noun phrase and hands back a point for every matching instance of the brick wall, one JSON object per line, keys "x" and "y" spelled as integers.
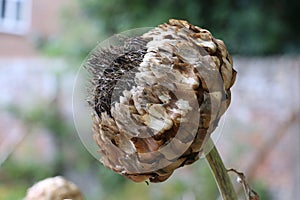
{"x": 44, "y": 21}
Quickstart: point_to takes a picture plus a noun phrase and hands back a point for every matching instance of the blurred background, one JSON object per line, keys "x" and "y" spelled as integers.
{"x": 42, "y": 45}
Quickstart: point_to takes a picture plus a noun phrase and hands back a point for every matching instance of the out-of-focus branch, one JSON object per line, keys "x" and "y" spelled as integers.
{"x": 270, "y": 143}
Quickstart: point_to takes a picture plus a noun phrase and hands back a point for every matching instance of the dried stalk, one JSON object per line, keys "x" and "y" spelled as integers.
{"x": 249, "y": 193}
{"x": 220, "y": 174}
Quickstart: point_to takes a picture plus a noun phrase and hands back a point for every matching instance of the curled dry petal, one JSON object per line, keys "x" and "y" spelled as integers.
{"x": 156, "y": 98}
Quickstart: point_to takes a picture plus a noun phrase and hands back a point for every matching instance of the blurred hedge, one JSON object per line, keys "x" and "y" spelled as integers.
{"x": 249, "y": 27}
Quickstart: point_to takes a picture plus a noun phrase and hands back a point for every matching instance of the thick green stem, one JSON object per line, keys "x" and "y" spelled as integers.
{"x": 220, "y": 174}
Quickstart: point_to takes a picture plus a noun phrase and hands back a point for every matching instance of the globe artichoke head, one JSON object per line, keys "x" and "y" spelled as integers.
{"x": 157, "y": 97}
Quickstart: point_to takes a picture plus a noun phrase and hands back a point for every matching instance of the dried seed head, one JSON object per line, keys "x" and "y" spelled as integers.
{"x": 56, "y": 188}
{"x": 156, "y": 98}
